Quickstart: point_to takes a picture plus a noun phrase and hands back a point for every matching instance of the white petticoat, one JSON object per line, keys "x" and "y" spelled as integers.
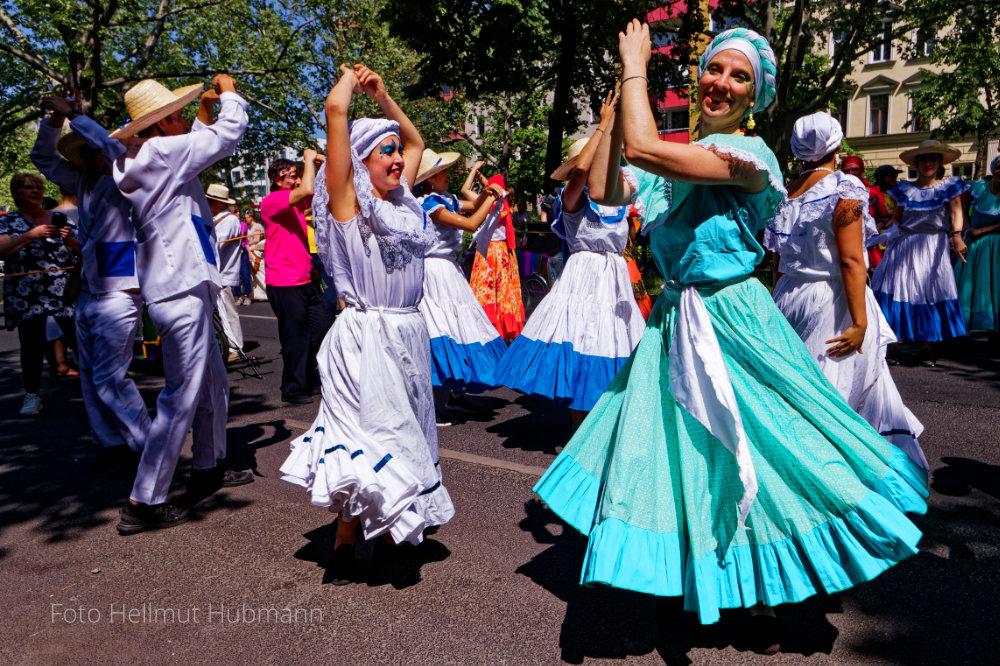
{"x": 372, "y": 453}
{"x": 591, "y": 306}
{"x": 817, "y": 310}
{"x": 916, "y": 268}
{"x": 450, "y": 307}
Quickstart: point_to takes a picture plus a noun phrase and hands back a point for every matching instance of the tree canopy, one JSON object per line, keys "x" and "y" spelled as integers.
{"x": 965, "y": 98}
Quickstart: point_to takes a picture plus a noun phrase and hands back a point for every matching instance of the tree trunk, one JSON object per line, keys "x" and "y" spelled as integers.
{"x": 562, "y": 97}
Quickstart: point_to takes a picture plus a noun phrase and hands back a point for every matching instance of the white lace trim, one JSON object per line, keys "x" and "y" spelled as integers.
{"x": 791, "y": 227}
{"x": 774, "y": 199}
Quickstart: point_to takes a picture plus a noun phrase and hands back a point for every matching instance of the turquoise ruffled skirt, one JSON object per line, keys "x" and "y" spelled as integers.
{"x": 656, "y": 494}
{"x": 978, "y": 279}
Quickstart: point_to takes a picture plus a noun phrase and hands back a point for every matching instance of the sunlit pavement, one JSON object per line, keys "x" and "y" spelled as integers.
{"x": 243, "y": 581}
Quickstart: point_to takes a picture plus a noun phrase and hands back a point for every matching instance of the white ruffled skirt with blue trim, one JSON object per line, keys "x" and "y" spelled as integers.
{"x": 579, "y": 336}
{"x": 372, "y": 452}
{"x": 465, "y": 346}
{"x": 914, "y": 285}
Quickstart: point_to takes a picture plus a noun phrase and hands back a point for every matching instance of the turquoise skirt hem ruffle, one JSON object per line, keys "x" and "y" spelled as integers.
{"x": 833, "y": 556}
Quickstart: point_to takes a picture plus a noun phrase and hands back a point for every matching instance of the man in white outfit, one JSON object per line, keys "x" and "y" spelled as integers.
{"x": 175, "y": 246}
{"x": 109, "y": 308}
{"x": 227, "y": 227}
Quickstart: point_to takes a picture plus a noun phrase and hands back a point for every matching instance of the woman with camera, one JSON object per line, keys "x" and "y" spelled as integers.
{"x": 37, "y": 246}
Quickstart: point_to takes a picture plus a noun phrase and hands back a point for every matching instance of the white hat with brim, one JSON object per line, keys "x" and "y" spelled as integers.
{"x": 432, "y": 163}
{"x": 218, "y": 192}
{"x": 149, "y": 101}
{"x": 948, "y": 154}
{"x": 573, "y": 154}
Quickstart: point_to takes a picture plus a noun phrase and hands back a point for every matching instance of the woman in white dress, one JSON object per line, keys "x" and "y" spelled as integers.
{"x": 819, "y": 239}
{"x": 371, "y": 455}
{"x": 914, "y": 283}
{"x": 585, "y": 329}
{"x": 465, "y": 347}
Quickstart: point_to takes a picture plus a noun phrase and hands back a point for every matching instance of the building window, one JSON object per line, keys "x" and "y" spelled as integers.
{"x": 916, "y": 123}
{"x": 883, "y": 51}
{"x": 878, "y": 114}
{"x": 923, "y": 41}
{"x": 840, "y": 115}
{"x": 911, "y": 174}
{"x": 481, "y": 125}
{"x": 677, "y": 120}
{"x": 962, "y": 170}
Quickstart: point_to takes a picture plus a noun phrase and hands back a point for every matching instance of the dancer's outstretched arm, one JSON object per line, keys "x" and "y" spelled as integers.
{"x": 339, "y": 172}
{"x": 471, "y": 201}
{"x": 606, "y": 184}
{"x": 689, "y": 163}
{"x": 490, "y": 196}
{"x": 467, "y": 191}
{"x": 572, "y": 194}
{"x": 413, "y": 144}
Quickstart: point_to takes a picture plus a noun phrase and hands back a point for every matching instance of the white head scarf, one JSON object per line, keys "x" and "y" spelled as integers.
{"x": 366, "y": 133}
{"x": 815, "y": 136}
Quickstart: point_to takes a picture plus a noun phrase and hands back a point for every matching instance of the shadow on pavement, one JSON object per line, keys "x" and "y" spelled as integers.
{"x": 45, "y": 461}
{"x": 941, "y": 605}
{"x": 607, "y": 623}
{"x": 961, "y": 475}
{"x": 897, "y": 609}
{"x": 546, "y": 427}
{"x": 378, "y": 563}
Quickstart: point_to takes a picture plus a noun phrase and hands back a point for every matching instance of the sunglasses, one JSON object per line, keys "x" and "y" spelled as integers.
{"x": 290, "y": 172}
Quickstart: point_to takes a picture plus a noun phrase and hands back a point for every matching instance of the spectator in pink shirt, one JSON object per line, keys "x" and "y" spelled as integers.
{"x": 302, "y": 319}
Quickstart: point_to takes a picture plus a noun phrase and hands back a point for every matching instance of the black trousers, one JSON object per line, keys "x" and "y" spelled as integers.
{"x": 302, "y": 323}
{"x": 31, "y": 333}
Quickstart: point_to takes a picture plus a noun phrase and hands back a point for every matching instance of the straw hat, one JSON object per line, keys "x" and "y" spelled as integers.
{"x": 150, "y": 101}
{"x": 948, "y": 154}
{"x": 219, "y": 192}
{"x": 432, "y": 163}
{"x": 69, "y": 147}
{"x": 575, "y": 148}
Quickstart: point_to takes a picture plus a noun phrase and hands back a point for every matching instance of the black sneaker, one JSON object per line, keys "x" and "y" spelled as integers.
{"x": 296, "y": 399}
{"x": 112, "y": 457}
{"x": 462, "y": 405}
{"x": 210, "y": 480}
{"x": 135, "y": 518}
{"x": 342, "y": 566}
{"x": 765, "y": 634}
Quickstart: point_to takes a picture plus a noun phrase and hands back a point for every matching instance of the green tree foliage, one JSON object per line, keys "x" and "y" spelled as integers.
{"x": 283, "y": 55}
{"x": 500, "y": 54}
{"x": 965, "y": 98}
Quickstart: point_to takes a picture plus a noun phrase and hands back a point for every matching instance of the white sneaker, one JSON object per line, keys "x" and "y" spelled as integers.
{"x": 32, "y": 404}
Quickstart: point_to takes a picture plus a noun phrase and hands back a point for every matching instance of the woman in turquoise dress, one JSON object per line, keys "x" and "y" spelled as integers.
{"x": 720, "y": 465}
{"x": 978, "y": 276}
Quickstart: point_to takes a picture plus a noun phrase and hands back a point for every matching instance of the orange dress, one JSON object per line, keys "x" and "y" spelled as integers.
{"x": 496, "y": 282}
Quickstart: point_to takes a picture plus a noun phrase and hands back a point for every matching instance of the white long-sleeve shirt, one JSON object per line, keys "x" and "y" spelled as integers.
{"x": 104, "y": 227}
{"x": 159, "y": 176}
{"x": 227, "y": 226}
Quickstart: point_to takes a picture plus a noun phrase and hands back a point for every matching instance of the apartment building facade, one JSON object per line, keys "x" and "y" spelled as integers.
{"x": 878, "y": 118}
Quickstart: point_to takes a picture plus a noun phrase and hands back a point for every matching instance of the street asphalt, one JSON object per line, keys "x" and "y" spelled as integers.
{"x": 246, "y": 580}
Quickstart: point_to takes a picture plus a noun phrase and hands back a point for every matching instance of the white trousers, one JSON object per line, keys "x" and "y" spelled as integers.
{"x": 105, "y": 328}
{"x": 230, "y": 316}
{"x": 195, "y": 395}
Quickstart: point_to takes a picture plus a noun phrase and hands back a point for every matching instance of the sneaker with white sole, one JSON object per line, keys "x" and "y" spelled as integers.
{"x": 32, "y": 404}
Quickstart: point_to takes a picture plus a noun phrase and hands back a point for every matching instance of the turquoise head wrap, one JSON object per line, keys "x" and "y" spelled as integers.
{"x": 757, "y": 51}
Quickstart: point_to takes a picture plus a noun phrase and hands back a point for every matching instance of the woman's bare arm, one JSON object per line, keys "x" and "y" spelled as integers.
{"x": 339, "y": 172}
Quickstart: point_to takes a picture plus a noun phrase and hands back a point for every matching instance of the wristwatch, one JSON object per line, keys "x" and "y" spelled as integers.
{"x": 73, "y": 113}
